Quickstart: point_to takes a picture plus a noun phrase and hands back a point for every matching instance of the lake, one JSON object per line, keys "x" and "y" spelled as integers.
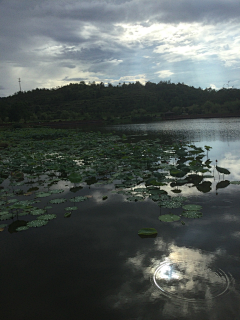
{"x": 95, "y": 266}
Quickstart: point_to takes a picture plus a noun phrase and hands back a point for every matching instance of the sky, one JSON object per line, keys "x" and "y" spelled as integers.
{"x": 51, "y": 43}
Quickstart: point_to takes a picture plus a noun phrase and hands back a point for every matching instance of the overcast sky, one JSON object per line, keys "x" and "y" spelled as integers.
{"x": 50, "y": 43}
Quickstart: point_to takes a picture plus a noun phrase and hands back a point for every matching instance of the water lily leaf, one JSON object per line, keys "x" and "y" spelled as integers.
{"x": 135, "y": 198}
{"x": 75, "y": 177}
{"x": 54, "y": 191}
{"x": 171, "y": 203}
{"x": 7, "y": 216}
{"x": 147, "y": 231}
{"x": 71, "y": 208}
{"x": 194, "y": 178}
{"x": 91, "y": 180}
{"x": 194, "y": 207}
{"x": 222, "y": 170}
{"x": 47, "y": 217}
{"x": 3, "y": 225}
{"x": 154, "y": 182}
{"x": 207, "y": 148}
{"x": 23, "y": 228}
{"x": 4, "y": 212}
{"x": 67, "y": 214}
{"x": 192, "y": 214}
{"x": 205, "y": 186}
{"x": 222, "y": 184}
{"x": 235, "y": 182}
{"x": 169, "y": 217}
{"x": 104, "y": 197}
{"x": 177, "y": 173}
{"x": 37, "y": 223}
{"x": 57, "y": 201}
{"x": 36, "y": 212}
{"x": 140, "y": 189}
{"x": 176, "y": 191}
{"x": 12, "y": 200}
{"x": 78, "y": 199}
{"x": 42, "y": 194}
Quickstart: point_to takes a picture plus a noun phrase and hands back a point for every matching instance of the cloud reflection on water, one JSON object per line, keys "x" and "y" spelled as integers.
{"x": 185, "y": 283}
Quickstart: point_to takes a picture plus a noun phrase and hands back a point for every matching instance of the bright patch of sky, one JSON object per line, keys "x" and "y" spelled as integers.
{"x": 52, "y": 43}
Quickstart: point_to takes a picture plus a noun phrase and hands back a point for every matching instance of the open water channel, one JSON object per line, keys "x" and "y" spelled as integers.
{"x": 95, "y": 266}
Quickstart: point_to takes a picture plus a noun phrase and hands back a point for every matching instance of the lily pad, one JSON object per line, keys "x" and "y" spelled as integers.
{"x": 37, "y": 223}
{"x": 57, "y": 201}
{"x": 147, "y": 231}
{"x": 22, "y": 228}
{"x": 78, "y": 199}
{"x": 71, "y": 208}
{"x": 192, "y": 214}
{"x": 222, "y": 184}
{"x": 192, "y": 207}
{"x": 172, "y": 203}
{"x": 67, "y": 214}
{"x": 36, "y": 212}
{"x": 168, "y": 218}
{"x": 75, "y": 177}
{"x": 7, "y": 216}
{"x": 235, "y": 182}
{"x": 135, "y": 198}
{"x": 222, "y": 170}
{"x": 42, "y": 194}
{"x": 47, "y": 217}
{"x": 54, "y": 191}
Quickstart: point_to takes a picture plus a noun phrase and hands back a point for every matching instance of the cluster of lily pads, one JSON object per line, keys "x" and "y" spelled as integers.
{"x": 40, "y": 158}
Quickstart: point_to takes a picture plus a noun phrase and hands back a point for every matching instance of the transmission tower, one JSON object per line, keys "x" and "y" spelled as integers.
{"x": 19, "y": 80}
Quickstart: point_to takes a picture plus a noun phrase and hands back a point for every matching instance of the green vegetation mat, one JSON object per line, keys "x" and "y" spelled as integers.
{"x": 35, "y": 160}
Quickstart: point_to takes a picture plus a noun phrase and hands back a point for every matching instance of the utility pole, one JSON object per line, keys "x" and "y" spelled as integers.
{"x": 19, "y": 80}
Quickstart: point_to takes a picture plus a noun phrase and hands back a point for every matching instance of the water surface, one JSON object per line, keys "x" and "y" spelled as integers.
{"x": 94, "y": 265}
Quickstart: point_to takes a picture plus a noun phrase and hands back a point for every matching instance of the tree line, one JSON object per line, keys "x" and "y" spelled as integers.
{"x": 132, "y": 101}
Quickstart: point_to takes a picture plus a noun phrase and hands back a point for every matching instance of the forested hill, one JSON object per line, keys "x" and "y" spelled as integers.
{"x": 125, "y": 101}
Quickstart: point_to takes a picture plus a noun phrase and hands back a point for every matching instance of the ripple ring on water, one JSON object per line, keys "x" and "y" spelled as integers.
{"x": 190, "y": 281}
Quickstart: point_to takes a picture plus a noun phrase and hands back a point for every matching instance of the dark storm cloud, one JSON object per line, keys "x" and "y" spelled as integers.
{"x": 167, "y": 11}
{"x": 51, "y": 40}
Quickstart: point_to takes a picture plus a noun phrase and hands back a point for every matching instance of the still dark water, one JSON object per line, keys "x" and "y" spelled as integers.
{"x": 95, "y": 266}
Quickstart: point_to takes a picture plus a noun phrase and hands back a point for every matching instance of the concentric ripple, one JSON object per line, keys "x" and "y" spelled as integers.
{"x": 190, "y": 280}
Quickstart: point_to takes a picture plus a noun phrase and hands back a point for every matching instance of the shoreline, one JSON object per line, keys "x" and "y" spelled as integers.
{"x": 76, "y": 123}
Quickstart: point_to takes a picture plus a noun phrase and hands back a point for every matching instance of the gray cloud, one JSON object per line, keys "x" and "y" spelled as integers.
{"x": 46, "y": 41}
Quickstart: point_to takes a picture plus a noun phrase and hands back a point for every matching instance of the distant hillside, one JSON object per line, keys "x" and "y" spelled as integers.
{"x": 132, "y": 102}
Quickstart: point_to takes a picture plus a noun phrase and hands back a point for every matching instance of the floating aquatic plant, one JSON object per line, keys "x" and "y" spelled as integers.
{"x": 47, "y": 217}
{"x": 169, "y": 218}
{"x": 37, "y": 223}
{"x": 71, "y": 208}
{"x": 57, "y": 201}
{"x": 78, "y": 199}
{"x": 147, "y": 232}
{"x": 137, "y": 170}
{"x": 235, "y": 182}
{"x": 192, "y": 214}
